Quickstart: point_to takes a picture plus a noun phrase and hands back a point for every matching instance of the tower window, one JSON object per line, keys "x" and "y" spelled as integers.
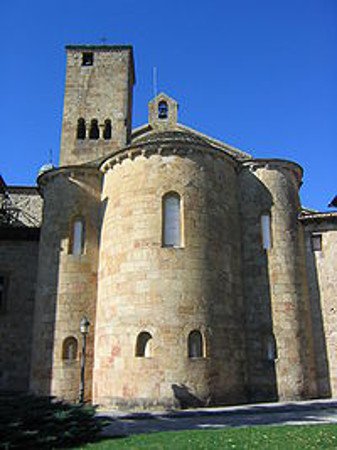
{"x": 143, "y": 347}
{"x": 81, "y": 129}
{"x": 266, "y": 231}
{"x": 69, "y": 349}
{"x": 87, "y": 59}
{"x": 316, "y": 242}
{"x": 3, "y": 292}
{"x": 94, "y": 130}
{"x": 171, "y": 220}
{"x": 195, "y": 345}
{"x": 162, "y": 110}
{"x": 77, "y": 238}
{"x": 107, "y": 129}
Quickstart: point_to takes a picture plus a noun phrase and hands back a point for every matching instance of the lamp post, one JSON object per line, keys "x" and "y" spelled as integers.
{"x": 84, "y": 329}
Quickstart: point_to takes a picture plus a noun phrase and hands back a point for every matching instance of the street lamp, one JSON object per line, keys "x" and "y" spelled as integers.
{"x": 84, "y": 329}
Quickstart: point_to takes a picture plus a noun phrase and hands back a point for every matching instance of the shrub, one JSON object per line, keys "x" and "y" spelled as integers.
{"x": 28, "y": 421}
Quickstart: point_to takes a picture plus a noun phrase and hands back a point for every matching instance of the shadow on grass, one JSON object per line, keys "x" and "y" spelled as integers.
{"x": 31, "y": 422}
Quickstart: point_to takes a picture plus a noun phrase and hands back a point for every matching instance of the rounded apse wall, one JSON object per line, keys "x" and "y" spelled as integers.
{"x": 67, "y": 281}
{"x": 271, "y": 187}
{"x": 151, "y": 297}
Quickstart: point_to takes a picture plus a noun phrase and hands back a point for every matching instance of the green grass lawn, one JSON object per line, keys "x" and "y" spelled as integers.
{"x": 260, "y": 437}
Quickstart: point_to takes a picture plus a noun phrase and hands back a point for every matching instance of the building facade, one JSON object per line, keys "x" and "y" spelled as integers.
{"x": 204, "y": 279}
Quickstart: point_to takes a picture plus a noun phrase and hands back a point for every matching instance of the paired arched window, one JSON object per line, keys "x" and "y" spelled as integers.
{"x": 107, "y": 129}
{"x": 266, "y": 231}
{"x": 77, "y": 237}
{"x": 162, "y": 110}
{"x": 69, "y": 349}
{"x": 81, "y": 129}
{"x": 171, "y": 220}
{"x": 94, "y": 130}
{"x": 195, "y": 345}
{"x": 143, "y": 344}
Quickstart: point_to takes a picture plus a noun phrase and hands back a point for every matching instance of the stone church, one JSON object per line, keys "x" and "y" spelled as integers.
{"x": 204, "y": 279}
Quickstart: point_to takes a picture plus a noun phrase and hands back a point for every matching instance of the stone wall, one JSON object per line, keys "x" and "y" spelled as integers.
{"x": 276, "y": 295}
{"x": 99, "y": 91}
{"x": 169, "y": 292}
{"x": 322, "y": 267}
{"x": 67, "y": 283}
{"x": 18, "y": 263}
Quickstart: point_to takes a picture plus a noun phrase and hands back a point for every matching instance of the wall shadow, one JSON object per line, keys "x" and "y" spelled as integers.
{"x": 185, "y": 398}
{"x": 319, "y": 341}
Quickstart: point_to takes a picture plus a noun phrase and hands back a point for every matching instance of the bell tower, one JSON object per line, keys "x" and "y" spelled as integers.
{"x": 97, "y": 113}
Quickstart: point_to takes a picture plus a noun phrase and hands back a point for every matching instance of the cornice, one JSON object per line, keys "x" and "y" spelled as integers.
{"x": 275, "y": 164}
{"x": 183, "y": 149}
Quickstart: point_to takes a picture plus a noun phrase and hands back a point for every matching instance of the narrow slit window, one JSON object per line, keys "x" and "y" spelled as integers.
{"x": 107, "y": 129}
{"x": 162, "y": 110}
{"x": 143, "y": 344}
{"x": 87, "y": 59}
{"x": 77, "y": 238}
{"x": 81, "y": 129}
{"x": 94, "y": 130}
{"x": 195, "y": 345}
{"x": 316, "y": 242}
{"x": 3, "y": 293}
{"x": 171, "y": 220}
{"x": 69, "y": 349}
{"x": 266, "y": 231}
{"x": 271, "y": 349}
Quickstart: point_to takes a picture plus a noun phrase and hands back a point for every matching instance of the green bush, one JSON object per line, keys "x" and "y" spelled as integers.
{"x": 27, "y": 421}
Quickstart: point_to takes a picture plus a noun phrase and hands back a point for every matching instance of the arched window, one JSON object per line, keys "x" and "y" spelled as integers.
{"x": 266, "y": 231}
{"x": 143, "y": 345}
{"x": 271, "y": 348}
{"x": 195, "y": 345}
{"x": 69, "y": 349}
{"x": 171, "y": 220}
{"x": 94, "y": 130}
{"x": 77, "y": 237}
{"x": 162, "y": 110}
{"x": 107, "y": 129}
{"x": 81, "y": 129}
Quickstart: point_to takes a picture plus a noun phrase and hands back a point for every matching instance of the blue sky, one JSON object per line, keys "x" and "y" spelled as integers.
{"x": 258, "y": 74}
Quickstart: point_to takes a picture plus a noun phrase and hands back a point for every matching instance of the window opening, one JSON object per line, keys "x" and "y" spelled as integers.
{"x": 162, "y": 110}
{"x": 266, "y": 231}
{"x": 143, "y": 347}
{"x": 87, "y": 59}
{"x": 271, "y": 348}
{"x": 77, "y": 238}
{"x": 316, "y": 242}
{"x": 81, "y": 129}
{"x": 94, "y": 130}
{"x": 171, "y": 220}
{"x": 195, "y": 345}
{"x": 107, "y": 129}
{"x": 69, "y": 349}
{"x": 3, "y": 289}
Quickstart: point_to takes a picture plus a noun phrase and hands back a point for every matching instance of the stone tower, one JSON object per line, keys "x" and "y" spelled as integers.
{"x": 96, "y": 122}
{"x": 97, "y": 102}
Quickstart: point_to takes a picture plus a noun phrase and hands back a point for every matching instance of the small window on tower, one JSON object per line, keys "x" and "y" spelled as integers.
{"x": 81, "y": 131}
{"x": 94, "y": 130}
{"x": 316, "y": 242}
{"x": 87, "y": 59}
{"x": 162, "y": 110}
{"x": 107, "y": 129}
